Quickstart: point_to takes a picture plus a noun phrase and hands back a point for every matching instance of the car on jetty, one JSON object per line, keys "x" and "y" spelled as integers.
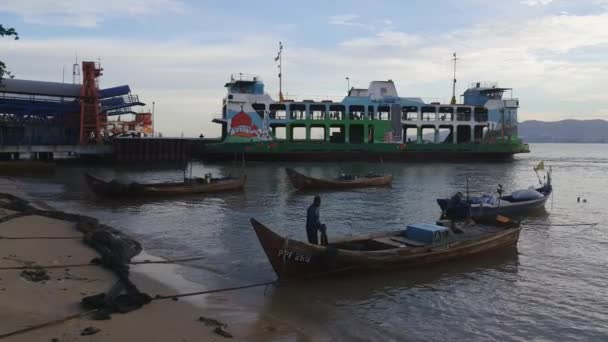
{"x": 368, "y": 124}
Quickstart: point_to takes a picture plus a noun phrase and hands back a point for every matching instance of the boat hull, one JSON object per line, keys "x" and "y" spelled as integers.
{"x": 302, "y": 182}
{"x": 296, "y": 151}
{"x": 292, "y": 259}
{"x": 506, "y": 208}
{"x": 113, "y": 189}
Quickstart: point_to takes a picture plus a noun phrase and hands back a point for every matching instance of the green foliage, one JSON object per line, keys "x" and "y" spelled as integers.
{"x": 6, "y": 32}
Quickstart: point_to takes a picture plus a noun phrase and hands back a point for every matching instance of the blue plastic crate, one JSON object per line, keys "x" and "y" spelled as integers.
{"x": 426, "y": 232}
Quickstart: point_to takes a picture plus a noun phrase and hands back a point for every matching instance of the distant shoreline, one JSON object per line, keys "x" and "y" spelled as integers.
{"x": 564, "y": 131}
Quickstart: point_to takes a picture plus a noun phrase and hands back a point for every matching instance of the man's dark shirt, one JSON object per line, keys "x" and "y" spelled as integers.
{"x": 313, "y": 223}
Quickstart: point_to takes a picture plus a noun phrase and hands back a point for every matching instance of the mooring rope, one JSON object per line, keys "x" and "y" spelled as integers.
{"x": 158, "y": 297}
{"x": 40, "y": 237}
{"x": 90, "y": 264}
{"x": 46, "y": 324}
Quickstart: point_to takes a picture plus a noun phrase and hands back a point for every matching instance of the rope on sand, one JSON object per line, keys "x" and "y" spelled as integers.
{"x": 158, "y": 297}
{"x": 40, "y": 237}
{"x": 89, "y": 264}
{"x": 46, "y": 324}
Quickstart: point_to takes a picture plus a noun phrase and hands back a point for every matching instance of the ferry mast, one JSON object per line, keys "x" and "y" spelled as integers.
{"x": 453, "y": 102}
{"x": 279, "y": 58}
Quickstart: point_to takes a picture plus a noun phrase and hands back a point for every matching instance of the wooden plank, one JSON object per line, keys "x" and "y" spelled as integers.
{"x": 408, "y": 242}
{"x": 389, "y": 241}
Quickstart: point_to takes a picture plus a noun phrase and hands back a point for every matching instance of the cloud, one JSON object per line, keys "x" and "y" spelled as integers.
{"x": 536, "y": 2}
{"x": 348, "y": 19}
{"x": 87, "y": 13}
{"x": 354, "y": 20}
{"x": 384, "y": 38}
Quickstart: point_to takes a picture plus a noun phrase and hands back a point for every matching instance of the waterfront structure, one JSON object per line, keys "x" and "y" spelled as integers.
{"x": 368, "y": 123}
{"x": 40, "y": 117}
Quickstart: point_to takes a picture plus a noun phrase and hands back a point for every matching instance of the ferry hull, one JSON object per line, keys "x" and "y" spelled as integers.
{"x": 349, "y": 152}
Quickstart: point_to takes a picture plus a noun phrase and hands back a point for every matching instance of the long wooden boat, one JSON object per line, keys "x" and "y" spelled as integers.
{"x": 505, "y": 205}
{"x": 376, "y": 252}
{"x": 302, "y": 182}
{"x": 193, "y": 186}
{"x": 26, "y": 167}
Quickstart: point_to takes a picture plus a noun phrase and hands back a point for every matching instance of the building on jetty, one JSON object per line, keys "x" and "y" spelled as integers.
{"x": 41, "y": 118}
{"x": 373, "y": 123}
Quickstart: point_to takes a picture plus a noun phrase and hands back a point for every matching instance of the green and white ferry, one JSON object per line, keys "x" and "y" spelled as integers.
{"x": 368, "y": 124}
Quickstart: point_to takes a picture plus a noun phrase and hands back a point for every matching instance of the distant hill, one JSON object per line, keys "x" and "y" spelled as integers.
{"x": 565, "y": 131}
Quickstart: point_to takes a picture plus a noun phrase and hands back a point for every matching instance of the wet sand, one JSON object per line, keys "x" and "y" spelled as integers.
{"x": 35, "y": 241}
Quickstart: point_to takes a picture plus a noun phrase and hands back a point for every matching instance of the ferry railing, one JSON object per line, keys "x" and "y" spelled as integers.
{"x": 483, "y": 84}
{"x": 245, "y": 77}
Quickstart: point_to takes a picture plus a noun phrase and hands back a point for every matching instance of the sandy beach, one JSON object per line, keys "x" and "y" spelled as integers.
{"x": 55, "y": 248}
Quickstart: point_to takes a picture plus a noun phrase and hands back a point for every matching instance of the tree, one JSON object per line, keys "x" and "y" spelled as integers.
{"x": 6, "y": 32}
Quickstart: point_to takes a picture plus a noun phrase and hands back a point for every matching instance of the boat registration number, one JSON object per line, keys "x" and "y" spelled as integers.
{"x": 291, "y": 255}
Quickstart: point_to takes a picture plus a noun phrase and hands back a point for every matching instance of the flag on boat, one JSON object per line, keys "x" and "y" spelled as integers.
{"x": 540, "y": 166}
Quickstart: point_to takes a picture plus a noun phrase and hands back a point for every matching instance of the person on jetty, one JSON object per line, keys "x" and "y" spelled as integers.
{"x": 313, "y": 223}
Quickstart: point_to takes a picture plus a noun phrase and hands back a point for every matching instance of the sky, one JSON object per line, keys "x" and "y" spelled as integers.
{"x": 180, "y": 53}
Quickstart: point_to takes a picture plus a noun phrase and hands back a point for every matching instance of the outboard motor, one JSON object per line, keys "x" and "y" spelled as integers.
{"x": 457, "y": 209}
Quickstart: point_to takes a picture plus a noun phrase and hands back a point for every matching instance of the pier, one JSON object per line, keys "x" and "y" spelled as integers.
{"x": 150, "y": 149}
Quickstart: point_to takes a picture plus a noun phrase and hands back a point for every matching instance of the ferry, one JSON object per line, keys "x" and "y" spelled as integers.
{"x": 373, "y": 124}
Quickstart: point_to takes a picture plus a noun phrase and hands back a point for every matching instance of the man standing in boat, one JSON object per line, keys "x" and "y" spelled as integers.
{"x": 313, "y": 223}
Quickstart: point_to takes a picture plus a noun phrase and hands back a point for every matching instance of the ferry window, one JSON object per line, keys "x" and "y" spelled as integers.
{"x": 297, "y": 111}
{"x": 480, "y": 114}
{"x": 279, "y": 132}
{"x": 241, "y": 88}
{"x": 480, "y": 132}
{"x": 356, "y": 134}
{"x": 409, "y": 113}
{"x": 259, "y": 108}
{"x": 370, "y": 112}
{"x": 445, "y": 136}
{"x": 336, "y": 134}
{"x": 298, "y": 133}
{"x": 428, "y": 134}
{"x": 277, "y": 111}
{"x": 317, "y": 111}
{"x": 317, "y": 133}
{"x": 463, "y": 113}
{"x": 336, "y": 112}
{"x": 463, "y": 134}
{"x": 429, "y": 113}
{"x": 384, "y": 112}
{"x": 410, "y": 133}
{"x": 446, "y": 113}
{"x": 356, "y": 112}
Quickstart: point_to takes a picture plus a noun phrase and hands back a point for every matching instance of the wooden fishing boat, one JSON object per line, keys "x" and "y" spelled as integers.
{"x": 19, "y": 167}
{"x": 381, "y": 251}
{"x": 191, "y": 186}
{"x": 503, "y": 205}
{"x": 302, "y": 182}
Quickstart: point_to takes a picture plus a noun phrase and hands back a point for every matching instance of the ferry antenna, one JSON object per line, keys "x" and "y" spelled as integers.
{"x": 279, "y": 58}
{"x": 453, "y": 102}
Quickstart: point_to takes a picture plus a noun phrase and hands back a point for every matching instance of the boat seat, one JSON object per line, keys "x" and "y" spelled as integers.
{"x": 408, "y": 242}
